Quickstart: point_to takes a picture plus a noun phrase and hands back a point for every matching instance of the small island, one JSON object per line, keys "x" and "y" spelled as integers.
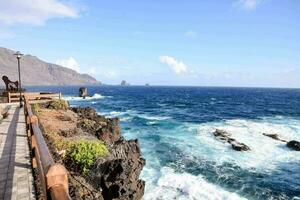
{"x": 124, "y": 83}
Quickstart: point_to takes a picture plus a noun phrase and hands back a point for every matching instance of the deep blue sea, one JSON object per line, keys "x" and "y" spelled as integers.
{"x": 175, "y": 128}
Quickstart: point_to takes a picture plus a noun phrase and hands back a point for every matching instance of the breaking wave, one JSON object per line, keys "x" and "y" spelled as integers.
{"x": 94, "y": 97}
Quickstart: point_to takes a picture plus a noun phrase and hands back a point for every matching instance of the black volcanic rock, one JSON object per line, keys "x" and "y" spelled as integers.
{"x": 239, "y": 146}
{"x": 106, "y": 129}
{"x": 225, "y": 136}
{"x": 274, "y": 136}
{"x": 295, "y": 145}
{"x": 117, "y": 175}
{"x": 37, "y": 72}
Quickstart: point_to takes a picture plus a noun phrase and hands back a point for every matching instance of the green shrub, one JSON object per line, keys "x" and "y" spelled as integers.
{"x": 85, "y": 152}
{"x": 58, "y": 104}
{"x": 35, "y": 108}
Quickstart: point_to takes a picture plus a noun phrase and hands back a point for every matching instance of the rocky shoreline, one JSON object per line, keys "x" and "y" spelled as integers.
{"x": 112, "y": 176}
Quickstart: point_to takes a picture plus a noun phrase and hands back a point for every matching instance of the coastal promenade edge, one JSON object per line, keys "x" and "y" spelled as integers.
{"x": 16, "y": 178}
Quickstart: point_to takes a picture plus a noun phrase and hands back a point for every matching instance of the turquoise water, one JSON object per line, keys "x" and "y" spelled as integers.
{"x": 184, "y": 161}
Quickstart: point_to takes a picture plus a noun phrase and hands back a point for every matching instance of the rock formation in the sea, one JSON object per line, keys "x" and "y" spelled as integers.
{"x": 83, "y": 92}
{"x": 225, "y": 136}
{"x": 295, "y": 145}
{"x": 124, "y": 83}
{"x": 274, "y": 136}
{"x": 37, "y": 72}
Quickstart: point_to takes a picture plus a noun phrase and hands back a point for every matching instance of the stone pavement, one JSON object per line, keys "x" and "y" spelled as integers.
{"x": 16, "y": 179}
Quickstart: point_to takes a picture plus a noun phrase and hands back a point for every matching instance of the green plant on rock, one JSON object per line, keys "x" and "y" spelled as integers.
{"x": 58, "y": 104}
{"x": 85, "y": 152}
{"x": 35, "y": 108}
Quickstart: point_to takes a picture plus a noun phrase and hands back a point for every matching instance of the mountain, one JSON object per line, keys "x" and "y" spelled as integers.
{"x": 37, "y": 72}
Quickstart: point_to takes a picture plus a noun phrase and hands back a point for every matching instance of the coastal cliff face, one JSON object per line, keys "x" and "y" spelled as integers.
{"x": 37, "y": 72}
{"x": 113, "y": 176}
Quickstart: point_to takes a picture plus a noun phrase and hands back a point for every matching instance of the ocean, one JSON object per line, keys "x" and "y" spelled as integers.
{"x": 184, "y": 160}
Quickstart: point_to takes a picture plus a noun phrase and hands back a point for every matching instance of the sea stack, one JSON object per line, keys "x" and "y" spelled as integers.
{"x": 124, "y": 83}
{"x": 83, "y": 92}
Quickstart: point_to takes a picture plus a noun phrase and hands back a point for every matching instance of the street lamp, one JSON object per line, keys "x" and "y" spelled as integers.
{"x": 19, "y": 55}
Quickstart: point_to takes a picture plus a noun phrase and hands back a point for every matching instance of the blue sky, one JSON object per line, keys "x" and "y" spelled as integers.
{"x": 162, "y": 42}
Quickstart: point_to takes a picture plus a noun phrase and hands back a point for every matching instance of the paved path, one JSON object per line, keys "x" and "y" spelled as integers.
{"x": 16, "y": 180}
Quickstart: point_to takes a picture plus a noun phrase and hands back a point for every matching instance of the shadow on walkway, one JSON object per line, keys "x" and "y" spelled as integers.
{"x": 8, "y": 156}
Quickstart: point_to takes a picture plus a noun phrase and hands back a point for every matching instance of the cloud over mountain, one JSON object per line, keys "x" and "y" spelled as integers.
{"x": 70, "y": 63}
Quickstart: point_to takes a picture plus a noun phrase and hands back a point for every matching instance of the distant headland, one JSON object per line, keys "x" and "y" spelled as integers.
{"x": 37, "y": 72}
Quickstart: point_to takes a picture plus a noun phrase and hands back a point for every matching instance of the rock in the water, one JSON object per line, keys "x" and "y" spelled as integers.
{"x": 83, "y": 92}
{"x": 239, "y": 146}
{"x": 124, "y": 83}
{"x": 221, "y": 133}
{"x": 225, "y": 136}
{"x": 295, "y": 145}
{"x": 118, "y": 174}
{"x": 274, "y": 136}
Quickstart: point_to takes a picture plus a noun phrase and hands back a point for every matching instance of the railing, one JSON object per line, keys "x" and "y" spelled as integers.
{"x": 53, "y": 177}
{"x": 15, "y": 96}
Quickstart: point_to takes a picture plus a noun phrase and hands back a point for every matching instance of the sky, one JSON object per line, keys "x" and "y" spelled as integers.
{"x": 252, "y": 43}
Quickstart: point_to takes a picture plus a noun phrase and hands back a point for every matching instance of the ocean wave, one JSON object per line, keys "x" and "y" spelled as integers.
{"x": 130, "y": 114}
{"x": 151, "y": 117}
{"x": 150, "y": 123}
{"x": 251, "y": 132}
{"x": 172, "y": 185}
{"x": 75, "y": 98}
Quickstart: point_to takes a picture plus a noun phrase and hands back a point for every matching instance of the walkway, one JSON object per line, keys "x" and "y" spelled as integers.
{"x": 16, "y": 180}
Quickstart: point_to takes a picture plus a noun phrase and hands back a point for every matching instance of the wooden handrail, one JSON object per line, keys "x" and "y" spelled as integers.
{"x": 15, "y": 96}
{"x": 53, "y": 176}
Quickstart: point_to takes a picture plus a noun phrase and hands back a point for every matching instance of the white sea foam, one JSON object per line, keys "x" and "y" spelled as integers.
{"x": 151, "y": 117}
{"x": 150, "y": 123}
{"x": 73, "y": 98}
{"x": 172, "y": 185}
{"x": 194, "y": 140}
{"x": 266, "y": 153}
{"x": 130, "y": 114}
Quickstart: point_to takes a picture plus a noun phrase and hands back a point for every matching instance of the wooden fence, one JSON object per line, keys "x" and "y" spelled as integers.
{"x": 53, "y": 177}
{"x": 15, "y": 96}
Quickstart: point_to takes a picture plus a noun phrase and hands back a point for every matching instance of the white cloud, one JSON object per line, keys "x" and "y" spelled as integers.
{"x": 175, "y": 65}
{"x": 191, "y": 34}
{"x": 248, "y": 4}
{"x": 70, "y": 63}
{"x": 33, "y": 12}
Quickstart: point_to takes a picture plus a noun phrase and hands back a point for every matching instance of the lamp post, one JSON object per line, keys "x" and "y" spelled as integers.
{"x": 19, "y": 55}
